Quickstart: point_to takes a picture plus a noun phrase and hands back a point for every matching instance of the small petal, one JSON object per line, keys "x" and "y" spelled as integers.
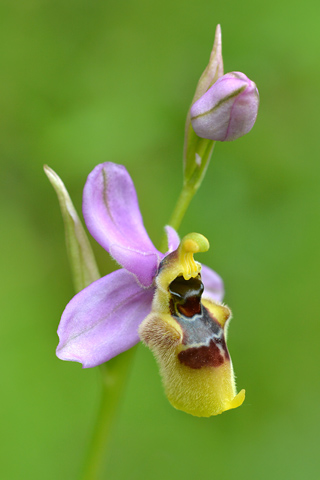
{"x": 227, "y": 110}
{"x": 213, "y": 284}
{"x": 173, "y": 238}
{"x": 112, "y": 215}
{"x": 102, "y": 320}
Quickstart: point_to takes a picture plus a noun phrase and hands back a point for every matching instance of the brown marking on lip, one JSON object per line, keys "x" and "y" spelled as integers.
{"x": 191, "y": 307}
{"x": 185, "y": 296}
{"x": 205, "y": 356}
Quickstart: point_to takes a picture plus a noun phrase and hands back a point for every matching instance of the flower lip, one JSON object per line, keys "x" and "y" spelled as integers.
{"x": 186, "y": 335}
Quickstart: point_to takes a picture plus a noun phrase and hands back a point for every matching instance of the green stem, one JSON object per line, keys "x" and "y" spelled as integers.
{"x": 179, "y": 211}
{"x": 114, "y": 376}
{"x": 182, "y": 205}
{"x": 189, "y": 189}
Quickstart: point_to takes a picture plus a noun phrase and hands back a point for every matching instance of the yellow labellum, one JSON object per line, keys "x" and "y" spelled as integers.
{"x": 187, "y": 336}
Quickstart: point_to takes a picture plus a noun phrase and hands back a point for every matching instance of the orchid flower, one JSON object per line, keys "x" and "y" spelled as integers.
{"x": 103, "y": 320}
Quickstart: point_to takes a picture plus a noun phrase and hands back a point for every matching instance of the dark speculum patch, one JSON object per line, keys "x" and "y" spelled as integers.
{"x": 211, "y": 356}
{"x": 186, "y": 296}
{"x": 202, "y": 333}
{"x": 191, "y": 307}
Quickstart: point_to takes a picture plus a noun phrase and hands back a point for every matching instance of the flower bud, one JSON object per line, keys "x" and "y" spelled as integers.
{"x": 227, "y": 110}
{"x": 196, "y": 151}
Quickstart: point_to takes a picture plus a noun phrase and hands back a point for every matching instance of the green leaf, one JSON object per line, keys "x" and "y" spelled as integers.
{"x": 82, "y": 262}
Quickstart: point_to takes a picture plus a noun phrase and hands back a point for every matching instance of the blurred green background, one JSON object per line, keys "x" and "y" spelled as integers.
{"x": 86, "y": 81}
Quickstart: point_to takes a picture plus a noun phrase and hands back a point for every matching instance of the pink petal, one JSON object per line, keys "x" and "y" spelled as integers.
{"x": 213, "y": 284}
{"x": 102, "y": 320}
{"x": 112, "y": 215}
{"x": 173, "y": 238}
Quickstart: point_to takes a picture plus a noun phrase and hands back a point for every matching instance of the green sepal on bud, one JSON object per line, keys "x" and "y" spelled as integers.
{"x": 198, "y": 151}
{"x": 82, "y": 261}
